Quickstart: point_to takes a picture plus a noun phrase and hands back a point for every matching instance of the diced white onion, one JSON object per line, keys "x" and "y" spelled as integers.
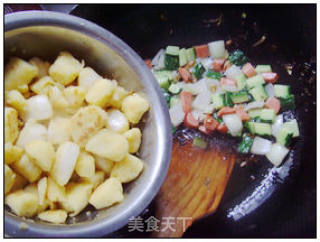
{"x": 197, "y": 87}
{"x": 117, "y": 121}
{"x": 39, "y": 108}
{"x": 176, "y": 114}
{"x": 277, "y": 125}
{"x": 202, "y": 100}
{"x": 269, "y": 89}
{"x": 213, "y": 85}
{"x": 276, "y": 154}
{"x": 198, "y": 114}
{"x": 260, "y": 146}
{"x": 233, "y": 123}
{"x": 253, "y": 105}
{"x": 206, "y": 62}
{"x": 229, "y": 88}
{"x": 217, "y": 49}
{"x": 155, "y": 60}
{"x": 160, "y": 64}
{"x": 233, "y": 71}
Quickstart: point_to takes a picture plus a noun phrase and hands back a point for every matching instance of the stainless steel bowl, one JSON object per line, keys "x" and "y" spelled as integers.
{"x": 44, "y": 34}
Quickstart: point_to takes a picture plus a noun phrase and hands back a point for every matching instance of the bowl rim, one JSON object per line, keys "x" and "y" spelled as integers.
{"x": 46, "y": 18}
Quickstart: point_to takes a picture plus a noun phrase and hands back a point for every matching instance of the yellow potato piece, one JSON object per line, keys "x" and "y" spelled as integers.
{"x": 107, "y": 194}
{"x": 87, "y": 78}
{"x": 85, "y": 166}
{"x": 18, "y": 73}
{"x": 96, "y": 179}
{"x": 118, "y": 95}
{"x": 42, "y": 85}
{"x": 74, "y": 96}
{"x": 23, "y": 88}
{"x": 22, "y": 203}
{"x": 58, "y": 216}
{"x": 104, "y": 164}
{"x": 59, "y": 130}
{"x": 42, "y": 189}
{"x": 27, "y": 168}
{"x": 42, "y": 153}
{"x": 108, "y": 144}
{"x": 12, "y": 153}
{"x": 16, "y": 100}
{"x": 11, "y": 125}
{"x": 55, "y": 192}
{"x": 65, "y": 68}
{"x": 57, "y": 98}
{"x": 33, "y": 189}
{"x": 43, "y": 66}
{"x": 32, "y": 130}
{"x": 9, "y": 179}
{"x": 133, "y": 137}
{"x": 101, "y": 92}
{"x": 19, "y": 182}
{"x": 38, "y": 107}
{"x": 128, "y": 169}
{"x": 134, "y": 106}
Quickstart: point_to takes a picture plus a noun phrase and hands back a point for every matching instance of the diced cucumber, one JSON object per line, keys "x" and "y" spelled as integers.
{"x": 293, "y": 126}
{"x": 163, "y": 78}
{"x": 254, "y": 81}
{"x": 245, "y": 145}
{"x": 250, "y": 127}
{"x": 214, "y": 75}
{"x": 174, "y": 100}
{"x": 240, "y": 97}
{"x": 215, "y": 115}
{"x": 287, "y": 103}
{"x": 227, "y": 99}
{"x": 171, "y": 62}
{"x": 284, "y": 136}
{"x": 198, "y": 70}
{"x": 175, "y": 88}
{"x": 259, "y": 93}
{"x": 267, "y": 115}
{"x": 262, "y": 129}
{"x": 218, "y": 100}
{"x": 281, "y": 90}
{"x": 191, "y": 54}
{"x": 277, "y": 154}
{"x": 183, "y": 59}
{"x": 263, "y": 68}
{"x": 172, "y": 50}
{"x": 241, "y": 81}
{"x": 254, "y": 113}
{"x": 166, "y": 95}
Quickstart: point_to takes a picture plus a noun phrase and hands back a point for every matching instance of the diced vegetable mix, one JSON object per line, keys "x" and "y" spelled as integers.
{"x": 213, "y": 91}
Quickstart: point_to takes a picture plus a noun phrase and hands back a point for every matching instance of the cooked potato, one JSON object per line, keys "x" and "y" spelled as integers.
{"x": 11, "y": 125}
{"x": 32, "y": 130}
{"x": 55, "y": 192}
{"x": 77, "y": 197}
{"x": 85, "y": 166}
{"x": 118, "y": 95}
{"x": 117, "y": 121}
{"x": 66, "y": 157}
{"x": 95, "y": 180}
{"x": 87, "y": 78}
{"x": 133, "y": 137}
{"x": 65, "y": 68}
{"x": 104, "y": 164}
{"x": 38, "y": 107}
{"x": 18, "y": 73}
{"x": 33, "y": 189}
{"x": 42, "y": 190}
{"x": 86, "y": 122}
{"x": 23, "y": 89}
{"x": 27, "y": 168}
{"x": 42, "y": 85}
{"x": 128, "y": 169}
{"x": 107, "y": 194}
{"x": 42, "y": 153}
{"x": 9, "y": 179}
{"x": 100, "y": 93}
{"x": 43, "y": 66}
{"x": 16, "y": 100}
{"x": 74, "y": 96}
{"x": 12, "y": 153}
{"x": 58, "y": 216}
{"x": 57, "y": 98}
{"x": 134, "y": 106}
{"x": 19, "y": 182}
{"x": 108, "y": 144}
{"x": 59, "y": 130}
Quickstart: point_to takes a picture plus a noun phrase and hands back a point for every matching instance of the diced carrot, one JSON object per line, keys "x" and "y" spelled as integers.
{"x": 210, "y": 123}
{"x": 273, "y": 103}
{"x": 185, "y": 74}
{"x": 217, "y": 64}
{"x": 226, "y": 110}
{"x": 222, "y": 128}
{"x": 203, "y": 129}
{"x": 227, "y": 82}
{"x": 186, "y": 99}
{"x": 243, "y": 115}
{"x": 202, "y": 51}
{"x": 148, "y": 63}
{"x": 190, "y": 121}
{"x": 270, "y": 77}
{"x": 226, "y": 65}
{"x": 248, "y": 70}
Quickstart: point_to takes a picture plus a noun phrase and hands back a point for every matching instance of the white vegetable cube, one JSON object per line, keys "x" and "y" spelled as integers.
{"x": 234, "y": 123}
{"x": 22, "y": 203}
{"x": 42, "y": 85}
{"x": 12, "y": 153}
{"x": 100, "y": 93}
{"x": 107, "y": 194}
{"x": 55, "y": 192}
{"x": 59, "y": 130}
{"x": 42, "y": 189}
{"x": 104, "y": 164}
{"x": 108, "y": 144}
{"x": 19, "y": 182}
{"x": 134, "y": 106}
{"x": 74, "y": 96}
{"x": 11, "y": 125}
{"x": 42, "y": 153}
{"x": 65, "y": 68}
{"x": 96, "y": 179}
{"x": 57, "y": 98}
{"x": 276, "y": 154}
{"x": 87, "y": 78}
{"x": 39, "y": 108}
{"x": 176, "y": 114}
{"x": 18, "y": 73}
{"x": 43, "y": 66}
{"x": 118, "y": 95}
{"x": 85, "y": 166}
{"x": 260, "y": 146}
{"x": 58, "y": 216}
{"x": 31, "y": 131}
{"x": 117, "y": 121}
{"x": 9, "y": 178}
{"x": 27, "y": 168}
{"x": 16, "y": 100}
{"x": 133, "y": 137}
{"x": 128, "y": 169}
{"x": 217, "y": 49}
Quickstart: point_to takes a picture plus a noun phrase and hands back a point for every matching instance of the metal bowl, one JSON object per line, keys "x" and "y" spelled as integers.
{"x": 44, "y": 34}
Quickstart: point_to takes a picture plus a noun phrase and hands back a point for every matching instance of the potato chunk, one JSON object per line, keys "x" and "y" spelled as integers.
{"x": 58, "y": 216}
{"x": 85, "y": 166}
{"x": 19, "y": 182}
{"x": 31, "y": 131}
{"x": 43, "y": 66}
{"x": 104, "y": 164}
{"x": 39, "y": 108}
{"x": 65, "y": 68}
{"x": 108, "y": 144}
{"x": 74, "y": 96}
{"x": 134, "y": 106}
{"x": 59, "y": 130}
{"x": 9, "y": 179}
{"x": 55, "y": 192}
{"x": 42, "y": 189}
{"x": 107, "y": 194}
{"x": 42, "y": 85}
{"x": 87, "y": 78}
{"x": 133, "y": 137}
{"x": 96, "y": 179}
{"x": 66, "y": 157}
{"x": 27, "y": 168}
{"x": 33, "y": 189}
{"x": 117, "y": 121}
{"x": 118, "y": 95}
{"x": 128, "y": 169}
{"x": 18, "y": 73}
{"x": 101, "y": 92}
{"x": 57, "y": 98}
{"x": 16, "y": 100}
{"x": 86, "y": 122}
{"x": 22, "y": 203}
{"x": 12, "y": 153}
{"x": 11, "y": 125}
{"x": 42, "y": 153}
